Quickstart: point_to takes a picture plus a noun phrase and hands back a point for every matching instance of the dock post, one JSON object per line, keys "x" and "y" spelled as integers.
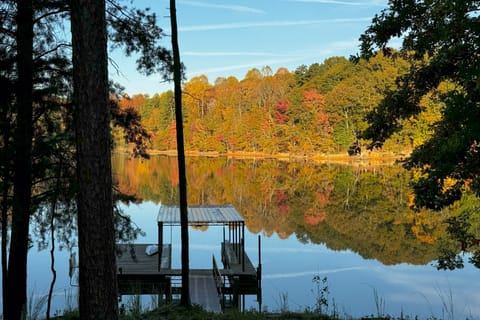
{"x": 259, "y": 276}
{"x": 160, "y": 244}
{"x": 235, "y": 247}
{"x": 243, "y": 246}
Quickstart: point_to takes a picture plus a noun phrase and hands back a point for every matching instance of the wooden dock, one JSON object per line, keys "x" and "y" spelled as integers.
{"x": 139, "y": 273}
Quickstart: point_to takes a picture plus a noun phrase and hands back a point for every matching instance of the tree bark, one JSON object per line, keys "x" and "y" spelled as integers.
{"x": 177, "y": 79}
{"x": 97, "y": 279}
{"x": 17, "y": 260}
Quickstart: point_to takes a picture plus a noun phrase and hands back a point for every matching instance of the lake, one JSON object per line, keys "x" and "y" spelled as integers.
{"x": 348, "y": 223}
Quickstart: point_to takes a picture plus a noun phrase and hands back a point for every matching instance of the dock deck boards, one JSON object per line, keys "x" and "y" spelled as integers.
{"x": 139, "y": 274}
{"x": 141, "y": 263}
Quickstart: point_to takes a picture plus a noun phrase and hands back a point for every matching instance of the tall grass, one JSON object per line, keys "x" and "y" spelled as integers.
{"x": 35, "y": 306}
{"x": 379, "y": 303}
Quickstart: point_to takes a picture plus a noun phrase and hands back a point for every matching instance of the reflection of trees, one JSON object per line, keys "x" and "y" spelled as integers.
{"x": 361, "y": 209}
{"x": 462, "y": 236}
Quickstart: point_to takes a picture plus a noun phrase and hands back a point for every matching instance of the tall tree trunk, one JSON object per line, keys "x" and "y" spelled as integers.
{"x": 177, "y": 79}
{"x": 97, "y": 279}
{"x": 17, "y": 260}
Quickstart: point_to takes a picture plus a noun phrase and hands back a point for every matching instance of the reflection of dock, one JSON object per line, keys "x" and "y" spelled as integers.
{"x": 213, "y": 288}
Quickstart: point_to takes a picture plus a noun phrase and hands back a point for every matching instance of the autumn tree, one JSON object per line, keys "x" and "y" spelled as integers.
{"x": 447, "y": 33}
{"x": 323, "y": 77}
{"x": 443, "y": 36}
{"x": 352, "y": 98}
{"x": 197, "y": 96}
{"x": 226, "y": 119}
{"x": 158, "y": 115}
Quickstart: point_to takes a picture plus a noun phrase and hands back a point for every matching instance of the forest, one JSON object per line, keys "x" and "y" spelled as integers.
{"x": 311, "y": 111}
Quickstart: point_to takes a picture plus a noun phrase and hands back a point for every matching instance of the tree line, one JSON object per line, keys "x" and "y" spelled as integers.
{"x": 316, "y": 109}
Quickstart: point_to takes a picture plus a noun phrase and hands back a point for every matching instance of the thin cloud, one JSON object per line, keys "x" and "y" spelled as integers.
{"x": 287, "y": 23}
{"x": 241, "y": 66}
{"x": 343, "y": 3}
{"x": 285, "y": 58}
{"x": 236, "y": 8}
{"x": 231, "y": 54}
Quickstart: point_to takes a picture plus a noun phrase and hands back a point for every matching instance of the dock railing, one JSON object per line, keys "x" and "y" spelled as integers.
{"x": 217, "y": 276}
{"x": 219, "y": 281}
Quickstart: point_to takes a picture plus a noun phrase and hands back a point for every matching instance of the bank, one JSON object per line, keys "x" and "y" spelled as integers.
{"x": 367, "y": 157}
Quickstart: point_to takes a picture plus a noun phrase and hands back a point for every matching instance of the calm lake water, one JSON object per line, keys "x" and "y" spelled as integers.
{"x": 348, "y": 223}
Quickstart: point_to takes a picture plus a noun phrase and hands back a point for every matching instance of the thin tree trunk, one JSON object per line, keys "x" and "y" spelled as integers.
{"x": 177, "y": 80}
{"x": 52, "y": 239}
{"x": 17, "y": 261}
{"x": 6, "y": 176}
{"x": 97, "y": 279}
{"x": 52, "y": 258}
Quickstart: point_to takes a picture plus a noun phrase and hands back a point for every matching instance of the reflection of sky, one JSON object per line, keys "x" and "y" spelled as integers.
{"x": 289, "y": 267}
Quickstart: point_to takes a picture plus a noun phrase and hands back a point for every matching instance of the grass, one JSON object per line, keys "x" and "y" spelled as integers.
{"x": 176, "y": 312}
{"x": 324, "y": 308}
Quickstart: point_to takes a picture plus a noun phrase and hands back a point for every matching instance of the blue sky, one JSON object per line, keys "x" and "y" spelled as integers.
{"x": 228, "y": 38}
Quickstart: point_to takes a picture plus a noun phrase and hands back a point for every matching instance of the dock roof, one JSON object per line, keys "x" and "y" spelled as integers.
{"x": 217, "y": 214}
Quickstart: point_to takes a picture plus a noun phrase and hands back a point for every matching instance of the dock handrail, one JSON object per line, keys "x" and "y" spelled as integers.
{"x": 217, "y": 276}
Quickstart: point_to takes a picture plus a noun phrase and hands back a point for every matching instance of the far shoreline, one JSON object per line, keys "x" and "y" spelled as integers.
{"x": 366, "y": 158}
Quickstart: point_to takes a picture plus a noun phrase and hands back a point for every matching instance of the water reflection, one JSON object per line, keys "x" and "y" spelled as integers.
{"x": 361, "y": 209}
{"x": 351, "y": 224}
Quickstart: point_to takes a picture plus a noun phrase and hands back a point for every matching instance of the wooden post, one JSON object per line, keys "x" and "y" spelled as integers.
{"x": 223, "y": 233}
{"x": 160, "y": 244}
{"x": 243, "y": 246}
{"x": 259, "y": 277}
{"x": 236, "y": 241}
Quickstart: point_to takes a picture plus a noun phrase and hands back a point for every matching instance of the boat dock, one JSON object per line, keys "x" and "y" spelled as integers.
{"x": 216, "y": 288}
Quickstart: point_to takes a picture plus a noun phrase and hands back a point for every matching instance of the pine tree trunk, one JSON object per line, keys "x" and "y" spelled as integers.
{"x": 17, "y": 260}
{"x": 97, "y": 279}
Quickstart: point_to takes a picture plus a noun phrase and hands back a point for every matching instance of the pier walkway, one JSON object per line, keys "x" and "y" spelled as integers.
{"x": 203, "y": 291}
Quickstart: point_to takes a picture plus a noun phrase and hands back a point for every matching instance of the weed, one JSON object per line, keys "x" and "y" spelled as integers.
{"x": 379, "y": 303}
{"x": 321, "y": 294}
{"x": 446, "y": 297}
{"x": 35, "y": 306}
{"x": 283, "y": 302}
{"x": 71, "y": 300}
{"x": 134, "y": 304}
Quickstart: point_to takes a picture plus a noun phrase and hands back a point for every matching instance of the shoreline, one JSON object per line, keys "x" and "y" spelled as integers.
{"x": 370, "y": 157}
